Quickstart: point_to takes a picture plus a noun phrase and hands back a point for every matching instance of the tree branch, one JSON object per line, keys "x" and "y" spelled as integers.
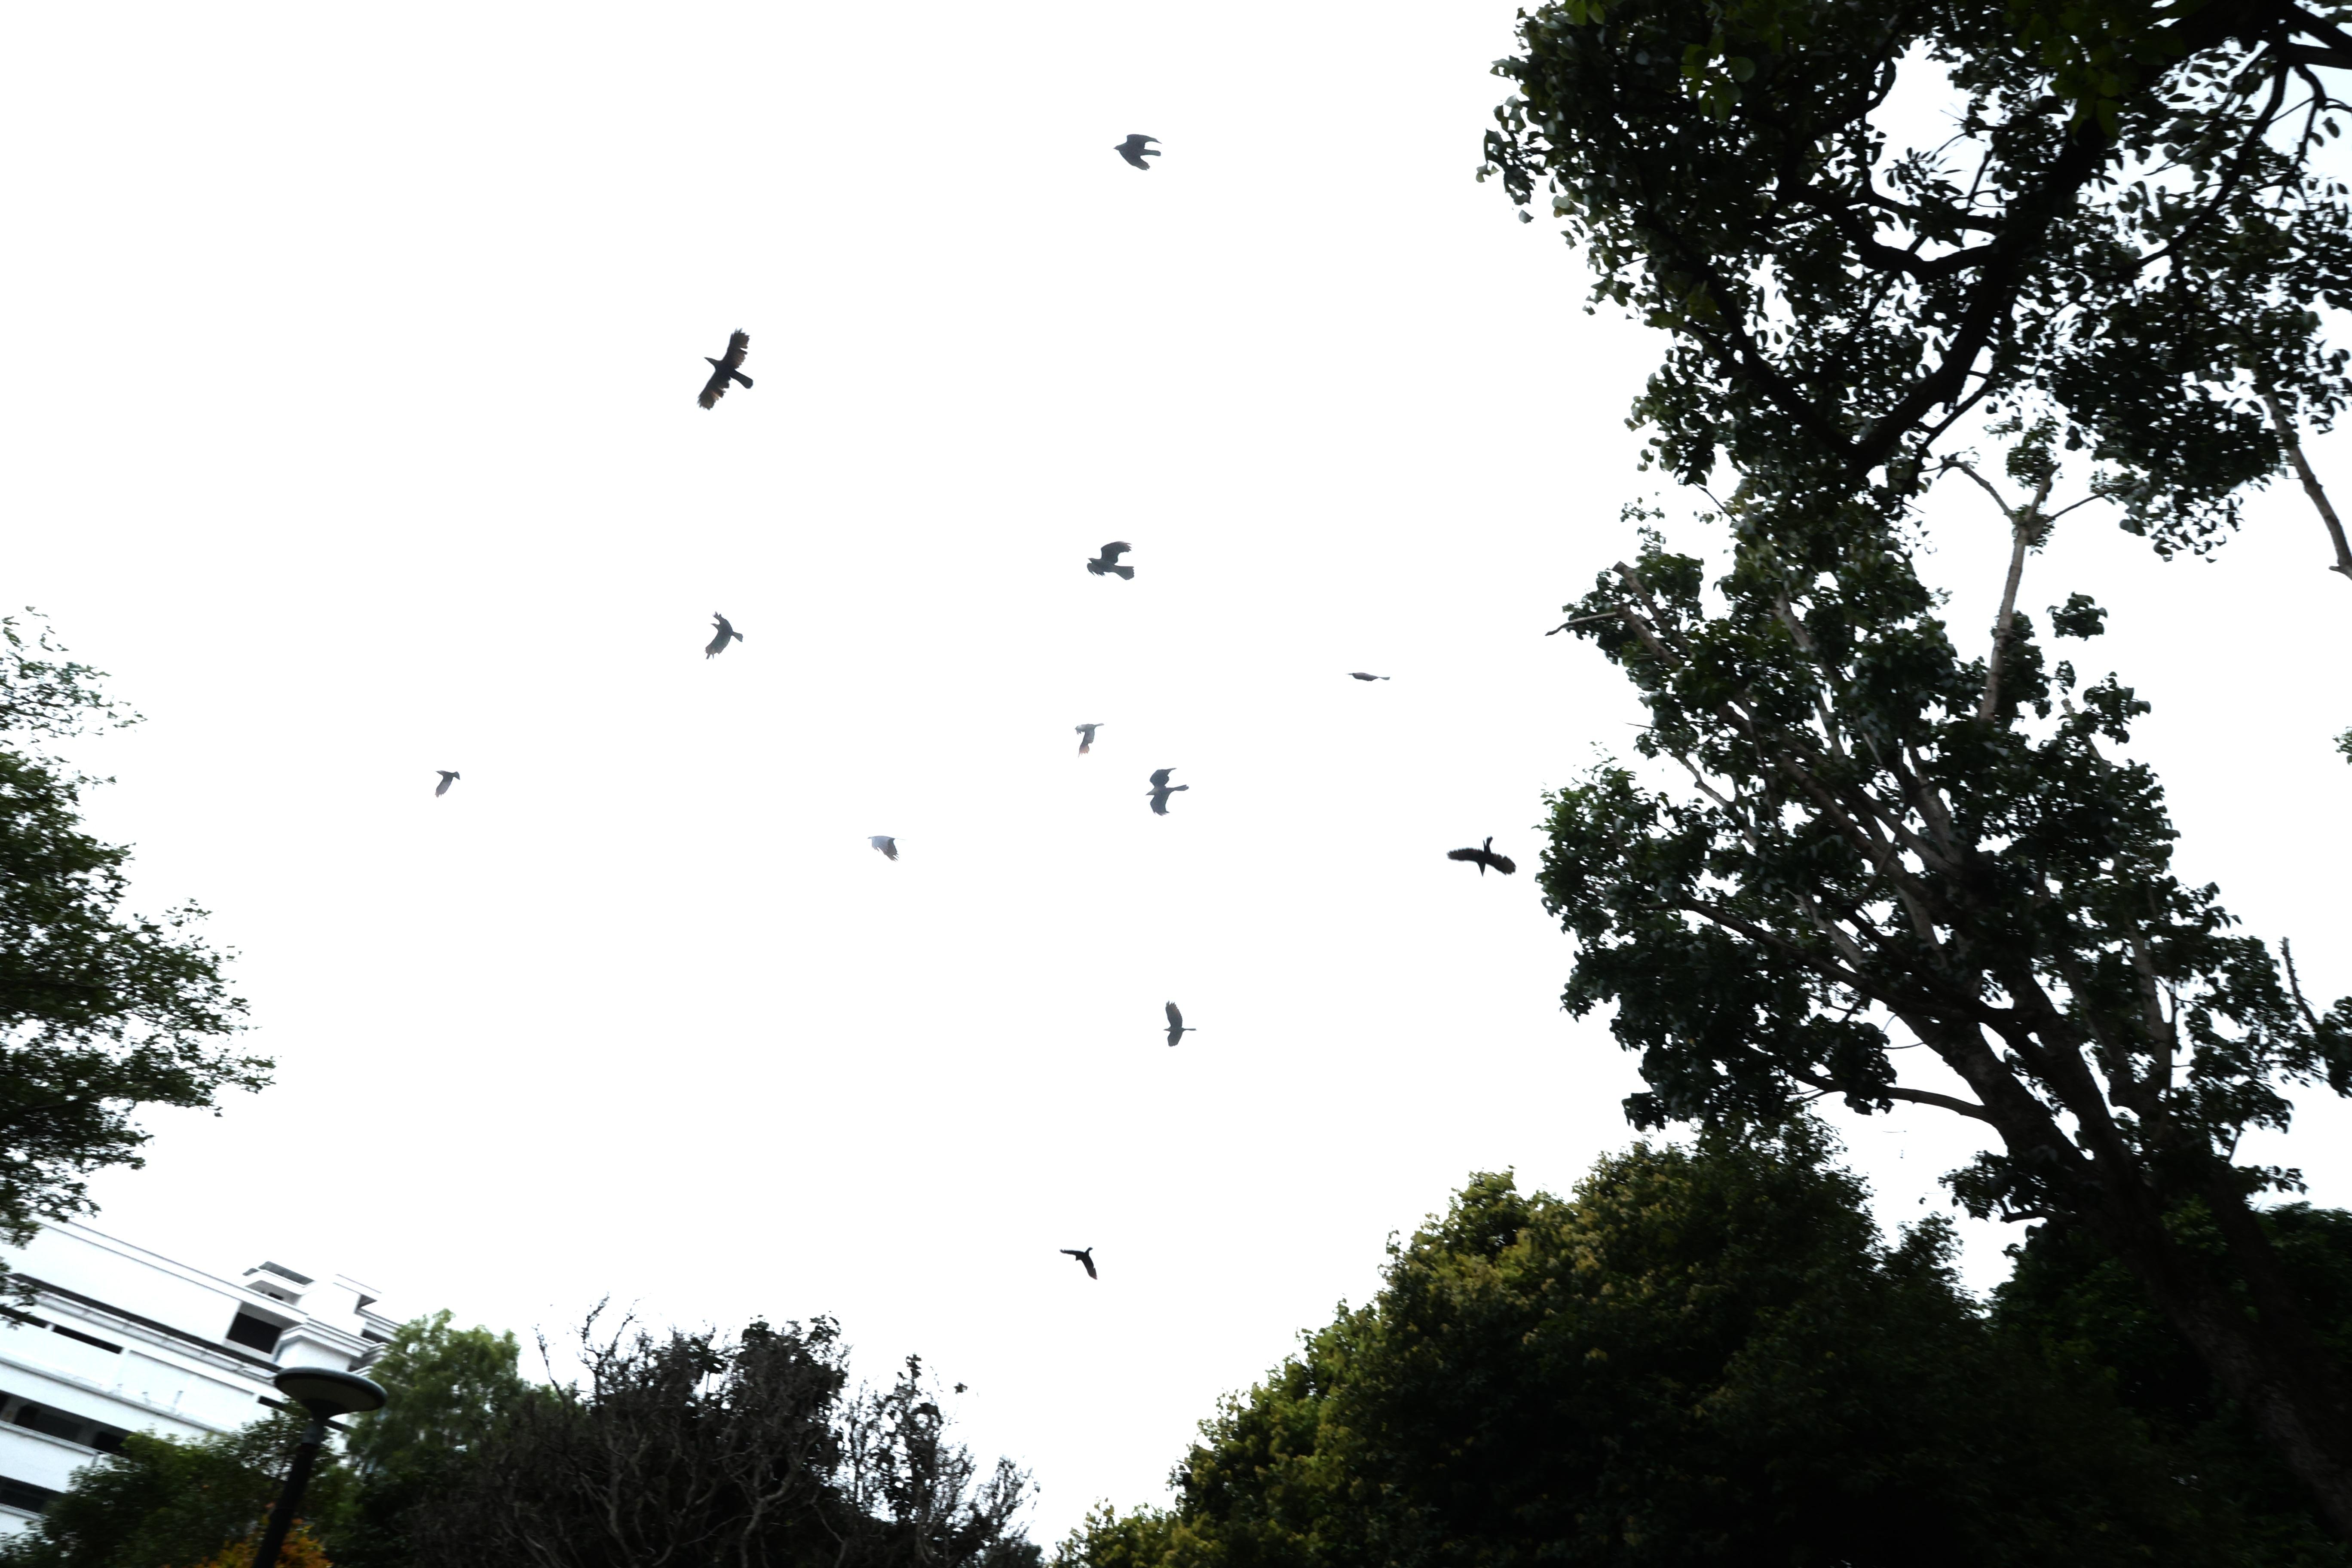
{"x": 2311, "y": 486}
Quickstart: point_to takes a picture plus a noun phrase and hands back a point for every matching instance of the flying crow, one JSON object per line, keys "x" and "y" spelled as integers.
{"x": 1482, "y": 857}
{"x": 447, "y": 778}
{"x": 1085, "y": 1256}
{"x": 726, "y": 630}
{"x": 1359, "y": 675}
{"x": 1107, "y": 562}
{"x": 1136, "y": 149}
{"x": 1161, "y": 789}
{"x": 723, "y": 371}
{"x": 1176, "y": 1029}
{"x": 884, "y": 843}
{"x": 1087, "y": 738}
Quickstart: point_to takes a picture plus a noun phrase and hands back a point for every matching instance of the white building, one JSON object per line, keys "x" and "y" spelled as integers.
{"x": 119, "y": 1340}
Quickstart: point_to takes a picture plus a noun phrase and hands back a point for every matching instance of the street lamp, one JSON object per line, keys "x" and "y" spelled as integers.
{"x": 325, "y": 1394}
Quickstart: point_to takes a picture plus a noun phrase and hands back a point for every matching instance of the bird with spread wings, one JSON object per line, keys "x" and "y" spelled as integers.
{"x": 723, "y": 371}
{"x": 1161, "y": 789}
{"x": 1177, "y": 1028}
{"x": 726, "y": 631}
{"x": 1107, "y": 562}
{"x": 1485, "y": 858}
{"x": 1085, "y": 1255}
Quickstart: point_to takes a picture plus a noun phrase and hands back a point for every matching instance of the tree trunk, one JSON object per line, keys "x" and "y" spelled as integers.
{"x": 2311, "y": 486}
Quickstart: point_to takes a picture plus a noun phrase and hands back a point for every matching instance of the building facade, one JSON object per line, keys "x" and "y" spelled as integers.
{"x": 121, "y": 1340}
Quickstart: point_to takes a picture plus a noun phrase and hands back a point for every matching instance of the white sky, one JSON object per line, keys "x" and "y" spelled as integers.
{"x": 348, "y": 369}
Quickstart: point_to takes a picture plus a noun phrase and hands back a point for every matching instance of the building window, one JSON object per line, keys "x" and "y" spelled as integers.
{"x": 49, "y": 1423}
{"x": 247, "y": 1330}
{"x": 25, "y": 1495}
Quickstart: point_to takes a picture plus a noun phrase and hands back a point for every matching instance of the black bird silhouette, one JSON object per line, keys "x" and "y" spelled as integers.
{"x": 1359, "y": 675}
{"x": 726, "y": 370}
{"x": 1176, "y": 1029}
{"x": 1087, "y": 738}
{"x": 1085, "y": 1256}
{"x": 726, "y": 630}
{"x": 447, "y": 778}
{"x": 1161, "y": 789}
{"x": 1136, "y": 149}
{"x": 1485, "y": 856}
{"x": 1107, "y": 562}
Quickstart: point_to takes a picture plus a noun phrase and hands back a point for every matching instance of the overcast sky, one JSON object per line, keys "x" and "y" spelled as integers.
{"x": 349, "y": 364}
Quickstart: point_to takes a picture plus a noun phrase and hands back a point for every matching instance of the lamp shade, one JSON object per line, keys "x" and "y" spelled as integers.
{"x": 324, "y": 1392}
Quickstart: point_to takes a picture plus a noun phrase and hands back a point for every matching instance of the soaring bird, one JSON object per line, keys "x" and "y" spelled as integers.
{"x": 1176, "y": 1029}
{"x": 1136, "y": 149}
{"x": 726, "y": 630}
{"x": 1107, "y": 562}
{"x": 723, "y": 371}
{"x": 1482, "y": 857}
{"x": 1359, "y": 675}
{"x": 447, "y": 778}
{"x": 884, "y": 843}
{"x": 1161, "y": 789}
{"x": 1085, "y": 1255}
{"x": 1087, "y": 738}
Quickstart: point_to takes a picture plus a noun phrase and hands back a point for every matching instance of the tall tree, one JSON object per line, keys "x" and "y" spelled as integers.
{"x": 100, "y": 1012}
{"x": 1886, "y": 847}
{"x": 1865, "y": 226}
{"x": 1706, "y": 1355}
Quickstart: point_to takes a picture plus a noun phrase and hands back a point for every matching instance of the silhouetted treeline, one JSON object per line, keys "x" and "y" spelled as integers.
{"x": 690, "y": 1448}
{"x": 676, "y": 1450}
{"x": 1709, "y": 1355}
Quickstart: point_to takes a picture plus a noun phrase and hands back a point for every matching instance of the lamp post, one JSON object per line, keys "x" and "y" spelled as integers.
{"x": 325, "y": 1394}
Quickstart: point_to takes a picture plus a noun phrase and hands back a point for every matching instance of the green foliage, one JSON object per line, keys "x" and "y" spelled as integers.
{"x": 1705, "y": 1355}
{"x": 165, "y": 1503}
{"x": 2077, "y": 618}
{"x": 100, "y": 1013}
{"x": 1866, "y": 847}
{"x": 451, "y": 1392}
{"x": 2072, "y": 1297}
{"x": 2124, "y": 233}
{"x": 1882, "y": 836}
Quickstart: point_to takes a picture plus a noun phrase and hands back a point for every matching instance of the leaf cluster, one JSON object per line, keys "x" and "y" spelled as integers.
{"x": 100, "y": 1011}
{"x": 1869, "y": 848}
{"x": 2119, "y": 223}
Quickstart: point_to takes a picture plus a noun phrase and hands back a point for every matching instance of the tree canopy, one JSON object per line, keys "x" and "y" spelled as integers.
{"x": 100, "y": 1012}
{"x": 2074, "y": 1300}
{"x": 1888, "y": 846}
{"x": 1864, "y": 224}
{"x": 1705, "y": 1355}
{"x": 753, "y": 1450}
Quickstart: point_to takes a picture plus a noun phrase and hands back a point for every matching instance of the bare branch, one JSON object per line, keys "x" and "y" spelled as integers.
{"x": 2311, "y": 486}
